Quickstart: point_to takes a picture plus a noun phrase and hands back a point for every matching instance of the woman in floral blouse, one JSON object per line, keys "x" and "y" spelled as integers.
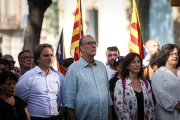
{"x": 136, "y": 102}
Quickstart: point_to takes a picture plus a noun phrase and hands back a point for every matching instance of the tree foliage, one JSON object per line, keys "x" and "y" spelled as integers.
{"x": 52, "y": 19}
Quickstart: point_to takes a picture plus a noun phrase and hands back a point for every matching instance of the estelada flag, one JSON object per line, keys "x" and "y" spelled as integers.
{"x": 136, "y": 42}
{"x": 60, "y": 54}
{"x": 77, "y": 33}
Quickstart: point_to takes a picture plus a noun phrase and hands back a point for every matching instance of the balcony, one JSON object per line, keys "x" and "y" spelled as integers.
{"x": 8, "y": 22}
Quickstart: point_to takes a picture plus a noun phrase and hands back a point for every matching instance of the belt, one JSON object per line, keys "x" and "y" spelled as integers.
{"x": 49, "y": 118}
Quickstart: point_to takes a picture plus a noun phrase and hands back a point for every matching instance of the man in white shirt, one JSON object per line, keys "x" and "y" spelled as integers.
{"x": 112, "y": 53}
{"x": 41, "y": 87}
{"x": 151, "y": 47}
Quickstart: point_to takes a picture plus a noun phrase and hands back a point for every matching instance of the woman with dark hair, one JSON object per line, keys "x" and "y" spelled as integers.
{"x": 166, "y": 83}
{"x": 112, "y": 82}
{"x": 11, "y": 107}
{"x": 132, "y": 94}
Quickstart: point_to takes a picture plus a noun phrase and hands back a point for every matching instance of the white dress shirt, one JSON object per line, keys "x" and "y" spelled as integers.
{"x": 166, "y": 88}
{"x": 42, "y": 93}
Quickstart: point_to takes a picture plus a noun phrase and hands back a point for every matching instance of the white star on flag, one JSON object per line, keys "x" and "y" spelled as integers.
{"x": 59, "y": 51}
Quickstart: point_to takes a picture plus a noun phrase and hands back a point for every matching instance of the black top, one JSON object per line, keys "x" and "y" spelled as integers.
{"x": 16, "y": 112}
{"x": 112, "y": 83}
{"x": 140, "y": 105}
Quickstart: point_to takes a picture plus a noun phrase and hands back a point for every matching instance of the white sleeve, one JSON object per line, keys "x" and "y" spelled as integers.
{"x": 23, "y": 88}
{"x": 163, "y": 98}
{"x": 119, "y": 103}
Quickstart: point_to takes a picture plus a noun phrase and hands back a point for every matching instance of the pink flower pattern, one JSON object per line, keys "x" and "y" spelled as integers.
{"x": 126, "y": 108}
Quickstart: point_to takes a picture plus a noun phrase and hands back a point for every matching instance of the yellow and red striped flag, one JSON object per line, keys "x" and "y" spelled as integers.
{"x": 136, "y": 42}
{"x": 77, "y": 33}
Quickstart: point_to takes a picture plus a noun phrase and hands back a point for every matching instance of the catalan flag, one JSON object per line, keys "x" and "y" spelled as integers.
{"x": 136, "y": 42}
{"x": 60, "y": 54}
{"x": 77, "y": 33}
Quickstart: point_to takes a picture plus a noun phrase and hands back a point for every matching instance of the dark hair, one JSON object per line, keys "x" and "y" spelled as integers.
{"x": 113, "y": 48}
{"x": 38, "y": 51}
{"x": 164, "y": 53}
{"x": 5, "y": 75}
{"x": 0, "y": 55}
{"x": 7, "y": 62}
{"x": 126, "y": 61}
{"x": 19, "y": 55}
{"x": 67, "y": 62}
{"x": 153, "y": 60}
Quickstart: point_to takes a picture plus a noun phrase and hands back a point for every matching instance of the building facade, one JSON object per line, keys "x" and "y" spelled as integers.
{"x": 13, "y": 20}
{"x": 109, "y": 21}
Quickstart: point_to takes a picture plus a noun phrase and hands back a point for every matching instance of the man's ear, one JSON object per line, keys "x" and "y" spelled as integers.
{"x": 82, "y": 48}
{"x": 146, "y": 49}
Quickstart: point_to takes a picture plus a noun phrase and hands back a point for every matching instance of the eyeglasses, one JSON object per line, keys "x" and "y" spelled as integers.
{"x": 176, "y": 54}
{"x": 15, "y": 113}
{"x": 13, "y": 62}
{"x": 90, "y": 43}
{"x": 26, "y": 57}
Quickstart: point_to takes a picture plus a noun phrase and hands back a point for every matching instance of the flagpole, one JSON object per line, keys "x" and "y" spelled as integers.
{"x": 80, "y": 18}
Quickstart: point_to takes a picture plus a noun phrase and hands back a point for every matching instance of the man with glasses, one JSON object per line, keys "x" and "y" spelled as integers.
{"x": 86, "y": 89}
{"x": 2, "y": 66}
{"x": 10, "y": 59}
{"x": 25, "y": 59}
{"x": 13, "y": 69}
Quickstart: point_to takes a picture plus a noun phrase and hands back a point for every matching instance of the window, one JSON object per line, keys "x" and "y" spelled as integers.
{"x": 92, "y": 23}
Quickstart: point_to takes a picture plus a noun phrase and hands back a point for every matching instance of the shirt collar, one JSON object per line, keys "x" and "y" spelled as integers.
{"x": 129, "y": 81}
{"x": 85, "y": 64}
{"x": 53, "y": 69}
{"x": 164, "y": 68}
{"x": 38, "y": 69}
{"x": 146, "y": 58}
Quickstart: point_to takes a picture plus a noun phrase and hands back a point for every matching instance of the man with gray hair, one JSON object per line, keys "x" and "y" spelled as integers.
{"x": 86, "y": 89}
{"x": 41, "y": 87}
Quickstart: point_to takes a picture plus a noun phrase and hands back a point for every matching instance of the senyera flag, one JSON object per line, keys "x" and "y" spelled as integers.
{"x": 136, "y": 42}
{"x": 77, "y": 33}
{"x": 60, "y": 54}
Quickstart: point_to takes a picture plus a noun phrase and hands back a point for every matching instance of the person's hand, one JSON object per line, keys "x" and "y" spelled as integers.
{"x": 17, "y": 71}
{"x": 61, "y": 112}
{"x": 177, "y": 107}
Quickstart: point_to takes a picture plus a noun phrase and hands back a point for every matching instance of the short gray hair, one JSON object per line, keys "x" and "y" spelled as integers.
{"x": 81, "y": 40}
{"x": 6, "y": 56}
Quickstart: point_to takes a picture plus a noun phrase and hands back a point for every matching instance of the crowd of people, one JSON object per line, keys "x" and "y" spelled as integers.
{"x": 126, "y": 88}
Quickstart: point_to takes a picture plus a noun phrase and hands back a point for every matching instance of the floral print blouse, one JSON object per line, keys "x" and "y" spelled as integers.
{"x": 126, "y": 108}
